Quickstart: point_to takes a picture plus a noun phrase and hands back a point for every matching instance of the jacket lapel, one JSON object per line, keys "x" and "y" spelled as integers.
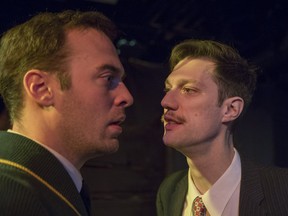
{"x": 178, "y": 197}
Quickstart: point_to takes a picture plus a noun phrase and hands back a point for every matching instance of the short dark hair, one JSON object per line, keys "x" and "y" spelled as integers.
{"x": 40, "y": 43}
{"x": 233, "y": 75}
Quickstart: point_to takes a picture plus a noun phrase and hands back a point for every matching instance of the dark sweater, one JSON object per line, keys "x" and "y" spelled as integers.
{"x": 24, "y": 194}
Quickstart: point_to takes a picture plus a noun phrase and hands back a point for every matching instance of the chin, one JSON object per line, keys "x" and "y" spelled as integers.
{"x": 104, "y": 147}
{"x": 167, "y": 141}
{"x": 102, "y": 152}
{"x": 170, "y": 143}
{"x": 112, "y": 150}
{"x": 112, "y": 146}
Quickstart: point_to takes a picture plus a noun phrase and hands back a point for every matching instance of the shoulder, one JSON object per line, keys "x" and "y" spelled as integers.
{"x": 272, "y": 178}
{"x": 264, "y": 171}
{"x": 275, "y": 176}
{"x": 22, "y": 194}
{"x": 20, "y": 198}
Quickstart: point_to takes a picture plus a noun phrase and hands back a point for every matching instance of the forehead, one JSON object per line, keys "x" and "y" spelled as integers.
{"x": 90, "y": 48}
{"x": 89, "y": 40}
{"x": 192, "y": 70}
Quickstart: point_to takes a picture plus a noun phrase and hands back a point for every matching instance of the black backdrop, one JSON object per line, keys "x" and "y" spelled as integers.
{"x": 127, "y": 181}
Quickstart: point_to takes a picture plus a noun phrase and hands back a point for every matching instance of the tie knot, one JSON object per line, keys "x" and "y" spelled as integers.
{"x": 198, "y": 207}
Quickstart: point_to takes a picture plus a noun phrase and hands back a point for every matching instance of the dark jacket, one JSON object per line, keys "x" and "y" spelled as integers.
{"x": 263, "y": 191}
{"x": 23, "y": 194}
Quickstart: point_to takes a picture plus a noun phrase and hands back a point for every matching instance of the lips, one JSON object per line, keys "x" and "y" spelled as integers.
{"x": 168, "y": 118}
{"x": 118, "y": 121}
{"x": 171, "y": 122}
{"x": 115, "y": 125}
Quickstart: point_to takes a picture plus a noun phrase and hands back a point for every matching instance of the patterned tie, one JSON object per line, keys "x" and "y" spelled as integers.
{"x": 198, "y": 207}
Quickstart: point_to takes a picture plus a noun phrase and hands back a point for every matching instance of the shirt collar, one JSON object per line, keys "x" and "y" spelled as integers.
{"x": 71, "y": 169}
{"x": 217, "y": 197}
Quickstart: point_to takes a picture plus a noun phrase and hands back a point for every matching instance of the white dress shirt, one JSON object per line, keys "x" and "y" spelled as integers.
{"x": 222, "y": 199}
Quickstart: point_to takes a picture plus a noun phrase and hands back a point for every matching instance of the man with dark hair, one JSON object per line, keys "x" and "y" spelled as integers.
{"x": 61, "y": 81}
{"x": 207, "y": 91}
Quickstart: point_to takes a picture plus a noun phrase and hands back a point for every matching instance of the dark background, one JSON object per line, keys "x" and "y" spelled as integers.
{"x": 125, "y": 183}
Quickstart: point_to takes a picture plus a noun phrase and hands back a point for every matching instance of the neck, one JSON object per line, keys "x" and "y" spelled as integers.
{"x": 42, "y": 138}
{"x": 209, "y": 164}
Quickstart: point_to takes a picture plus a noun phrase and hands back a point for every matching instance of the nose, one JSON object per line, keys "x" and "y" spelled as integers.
{"x": 169, "y": 101}
{"x": 124, "y": 98}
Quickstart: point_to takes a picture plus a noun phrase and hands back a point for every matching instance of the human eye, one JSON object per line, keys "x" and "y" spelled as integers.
{"x": 188, "y": 90}
{"x": 112, "y": 80}
{"x": 108, "y": 78}
{"x": 166, "y": 89}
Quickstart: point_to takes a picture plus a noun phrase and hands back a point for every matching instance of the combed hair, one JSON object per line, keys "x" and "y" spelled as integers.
{"x": 233, "y": 75}
{"x": 40, "y": 43}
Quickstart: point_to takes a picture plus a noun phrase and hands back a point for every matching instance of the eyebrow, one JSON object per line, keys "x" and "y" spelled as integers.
{"x": 113, "y": 69}
{"x": 180, "y": 82}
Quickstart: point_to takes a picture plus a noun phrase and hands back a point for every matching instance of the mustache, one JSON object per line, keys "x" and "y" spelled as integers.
{"x": 171, "y": 117}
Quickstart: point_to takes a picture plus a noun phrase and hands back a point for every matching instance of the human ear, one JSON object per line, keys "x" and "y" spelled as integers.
{"x": 232, "y": 108}
{"x": 36, "y": 84}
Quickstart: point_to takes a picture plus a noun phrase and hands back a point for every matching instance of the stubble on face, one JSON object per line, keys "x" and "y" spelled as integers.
{"x": 194, "y": 116}
{"x": 87, "y": 109}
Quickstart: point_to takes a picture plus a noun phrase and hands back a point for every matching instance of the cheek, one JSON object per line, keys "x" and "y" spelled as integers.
{"x": 204, "y": 113}
{"x": 196, "y": 110}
